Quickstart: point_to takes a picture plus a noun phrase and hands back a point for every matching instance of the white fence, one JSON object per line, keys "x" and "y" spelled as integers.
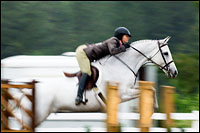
{"x": 61, "y": 117}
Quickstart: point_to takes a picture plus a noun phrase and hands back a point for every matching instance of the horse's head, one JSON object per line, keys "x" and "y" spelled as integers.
{"x": 163, "y": 58}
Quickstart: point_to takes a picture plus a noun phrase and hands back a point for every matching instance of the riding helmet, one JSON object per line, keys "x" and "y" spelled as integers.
{"x": 120, "y": 31}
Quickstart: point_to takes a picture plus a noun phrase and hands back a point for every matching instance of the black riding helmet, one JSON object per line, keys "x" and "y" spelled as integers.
{"x": 120, "y": 31}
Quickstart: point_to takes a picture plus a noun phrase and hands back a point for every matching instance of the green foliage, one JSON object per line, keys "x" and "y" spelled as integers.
{"x": 187, "y": 82}
{"x": 196, "y": 3}
{"x": 188, "y": 67}
{"x": 36, "y": 27}
{"x": 183, "y": 124}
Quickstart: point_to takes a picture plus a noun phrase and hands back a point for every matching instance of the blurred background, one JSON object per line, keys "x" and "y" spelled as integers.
{"x": 52, "y": 28}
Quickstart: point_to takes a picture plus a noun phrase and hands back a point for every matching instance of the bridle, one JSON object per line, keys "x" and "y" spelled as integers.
{"x": 165, "y": 67}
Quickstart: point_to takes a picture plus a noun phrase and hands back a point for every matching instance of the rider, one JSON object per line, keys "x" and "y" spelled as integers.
{"x": 86, "y": 54}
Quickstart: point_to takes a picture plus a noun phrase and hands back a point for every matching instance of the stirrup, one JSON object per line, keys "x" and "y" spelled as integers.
{"x": 84, "y": 101}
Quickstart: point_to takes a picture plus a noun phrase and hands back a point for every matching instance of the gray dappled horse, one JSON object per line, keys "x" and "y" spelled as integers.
{"x": 59, "y": 94}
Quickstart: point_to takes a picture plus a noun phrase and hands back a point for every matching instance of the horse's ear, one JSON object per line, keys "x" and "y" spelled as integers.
{"x": 166, "y": 39}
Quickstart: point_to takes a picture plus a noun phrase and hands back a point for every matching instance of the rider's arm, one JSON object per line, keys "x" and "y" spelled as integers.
{"x": 113, "y": 47}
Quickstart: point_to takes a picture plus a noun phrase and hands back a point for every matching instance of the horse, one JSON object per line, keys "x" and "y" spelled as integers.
{"x": 56, "y": 94}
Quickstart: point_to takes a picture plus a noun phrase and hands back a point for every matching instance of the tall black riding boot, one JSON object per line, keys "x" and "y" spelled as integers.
{"x": 82, "y": 84}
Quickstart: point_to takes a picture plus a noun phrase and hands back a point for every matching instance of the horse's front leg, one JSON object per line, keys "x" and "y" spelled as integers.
{"x": 133, "y": 93}
{"x": 129, "y": 94}
{"x": 155, "y": 99}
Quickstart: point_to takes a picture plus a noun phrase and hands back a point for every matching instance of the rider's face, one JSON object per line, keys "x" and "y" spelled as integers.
{"x": 125, "y": 38}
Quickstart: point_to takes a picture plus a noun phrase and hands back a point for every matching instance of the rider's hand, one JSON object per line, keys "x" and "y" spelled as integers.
{"x": 126, "y": 45}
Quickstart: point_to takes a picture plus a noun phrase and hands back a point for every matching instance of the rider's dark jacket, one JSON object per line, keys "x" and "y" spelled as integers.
{"x": 110, "y": 46}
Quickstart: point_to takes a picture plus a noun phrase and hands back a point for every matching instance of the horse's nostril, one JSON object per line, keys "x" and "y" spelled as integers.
{"x": 175, "y": 73}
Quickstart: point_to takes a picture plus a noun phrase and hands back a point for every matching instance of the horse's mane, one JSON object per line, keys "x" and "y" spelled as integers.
{"x": 142, "y": 41}
{"x": 134, "y": 43}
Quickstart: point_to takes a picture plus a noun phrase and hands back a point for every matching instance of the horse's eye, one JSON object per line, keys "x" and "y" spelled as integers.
{"x": 165, "y": 53}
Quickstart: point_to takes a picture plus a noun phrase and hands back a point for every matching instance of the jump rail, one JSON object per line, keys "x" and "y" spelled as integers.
{"x": 62, "y": 117}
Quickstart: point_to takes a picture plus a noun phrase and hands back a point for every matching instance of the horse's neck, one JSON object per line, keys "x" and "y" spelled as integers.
{"x": 135, "y": 59}
{"x": 114, "y": 70}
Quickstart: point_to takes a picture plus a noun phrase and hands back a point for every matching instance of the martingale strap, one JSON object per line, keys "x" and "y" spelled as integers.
{"x": 127, "y": 67}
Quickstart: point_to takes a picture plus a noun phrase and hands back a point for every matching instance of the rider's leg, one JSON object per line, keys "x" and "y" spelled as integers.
{"x": 84, "y": 64}
{"x": 82, "y": 84}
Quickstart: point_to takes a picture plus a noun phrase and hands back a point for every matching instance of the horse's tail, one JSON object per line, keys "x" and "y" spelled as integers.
{"x": 70, "y": 74}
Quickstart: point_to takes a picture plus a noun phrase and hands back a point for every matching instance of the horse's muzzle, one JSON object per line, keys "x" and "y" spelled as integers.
{"x": 172, "y": 73}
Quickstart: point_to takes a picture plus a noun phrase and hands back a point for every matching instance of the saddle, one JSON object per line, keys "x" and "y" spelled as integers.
{"x": 91, "y": 81}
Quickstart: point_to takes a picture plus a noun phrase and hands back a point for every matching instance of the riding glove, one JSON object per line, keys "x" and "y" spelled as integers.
{"x": 126, "y": 45}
